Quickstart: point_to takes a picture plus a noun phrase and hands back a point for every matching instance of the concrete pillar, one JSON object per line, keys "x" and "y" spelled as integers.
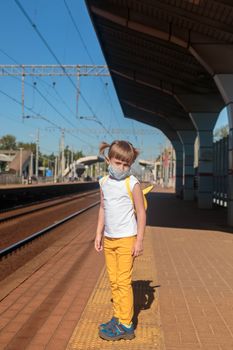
{"x": 188, "y": 138}
{"x": 230, "y": 165}
{"x": 204, "y": 123}
{"x": 225, "y": 83}
{"x": 178, "y": 147}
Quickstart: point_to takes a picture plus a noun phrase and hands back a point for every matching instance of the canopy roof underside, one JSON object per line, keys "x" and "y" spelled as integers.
{"x": 155, "y": 50}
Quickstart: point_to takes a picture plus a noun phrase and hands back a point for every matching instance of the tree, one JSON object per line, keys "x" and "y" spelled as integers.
{"x": 221, "y": 133}
{"x": 27, "y": 146}
{"x": 8, "y": 142}
{"x": 78, "y": 154}
{"x": 46, "y": 160}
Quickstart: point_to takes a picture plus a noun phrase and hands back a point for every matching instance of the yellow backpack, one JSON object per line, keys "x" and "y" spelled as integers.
{"x": 127, "y": 183}
{"x": 144, "y": 192}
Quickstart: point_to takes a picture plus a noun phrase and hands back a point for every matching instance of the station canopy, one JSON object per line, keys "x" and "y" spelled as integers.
{"x": 89, "y": 160}
{"x": 146, "y": 163}
{"x": 5, "y": 158}
{"x": 153, "y": 51}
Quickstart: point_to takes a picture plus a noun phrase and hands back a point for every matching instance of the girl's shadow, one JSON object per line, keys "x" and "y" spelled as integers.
{"x": 143, "y": 297}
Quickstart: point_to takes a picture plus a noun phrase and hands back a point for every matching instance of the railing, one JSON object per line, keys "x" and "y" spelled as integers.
{"x": 12, "y": 179}
{"x": 220, "y": 170}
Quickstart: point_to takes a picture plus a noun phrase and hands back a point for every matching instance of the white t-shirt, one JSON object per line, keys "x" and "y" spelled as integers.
{"x": 119, "y": 215}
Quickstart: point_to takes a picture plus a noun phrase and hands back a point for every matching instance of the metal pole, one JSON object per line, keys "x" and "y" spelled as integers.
{"x": 20, "y": 161}
{"x": 91, "y": 170}
{"x": 62, "y": 153}
{"x": 72, "y": 162}
{"x": 55, "y": 170}
{"x": 161, "y": 167}
{"x": 77, "y": 93}
{"x": 31, "y": 165}
{"x": 37, "y": 151}
{"x": 98, "y": 169}
{"x": 23, "y": 77}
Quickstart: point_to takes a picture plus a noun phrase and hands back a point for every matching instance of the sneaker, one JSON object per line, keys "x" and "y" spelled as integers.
{"x": 117, "y": 332}
{"x": 109, "y": 324}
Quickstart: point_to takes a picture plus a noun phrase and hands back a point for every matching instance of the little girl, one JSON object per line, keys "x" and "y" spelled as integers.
{"x": 123, "y": 235}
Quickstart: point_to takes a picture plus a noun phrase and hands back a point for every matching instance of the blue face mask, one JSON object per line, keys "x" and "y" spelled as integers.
{"x": 118, "y": 174}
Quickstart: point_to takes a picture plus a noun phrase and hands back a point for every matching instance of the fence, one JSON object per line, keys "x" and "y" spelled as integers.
{"x": 12, "y": 179}
{"x": 220, "y": 170}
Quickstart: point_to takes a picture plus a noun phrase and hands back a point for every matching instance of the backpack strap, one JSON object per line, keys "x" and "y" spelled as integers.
{"x": 144, "y": 191}
{"x": 103, "y": 180}
{"x": 127, "y": 182}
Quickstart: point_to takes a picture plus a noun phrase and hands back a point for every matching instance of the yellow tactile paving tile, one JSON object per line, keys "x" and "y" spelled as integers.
{"x": 99, "y": 309}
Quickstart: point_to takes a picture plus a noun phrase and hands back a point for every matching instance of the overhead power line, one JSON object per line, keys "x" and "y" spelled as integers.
{"x": 77, "y": 30}
{"x": 56, "y": 58}
{"x": 22, "y": 70}
{"x": 48, "y": 70}
{"x": 90, "y": 56}
{"x": 6, "y": 54}
{"x": 13, "y": 73}
{"x": 39, "y": 116}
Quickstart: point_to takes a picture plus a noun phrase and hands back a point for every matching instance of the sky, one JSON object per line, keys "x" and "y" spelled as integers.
{"x": 50, "y": 102}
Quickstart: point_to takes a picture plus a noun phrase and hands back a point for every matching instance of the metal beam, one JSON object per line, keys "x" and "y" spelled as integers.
{"x": 53, "y": 70}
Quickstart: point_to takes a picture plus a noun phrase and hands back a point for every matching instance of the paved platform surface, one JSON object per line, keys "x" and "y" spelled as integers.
{"x": 194, "y": 260}
{"x": 42, "y": 301}
{"x": 146, "y": 312}
{"x": 188, "y": 263}
{"x": 183, "y": 287}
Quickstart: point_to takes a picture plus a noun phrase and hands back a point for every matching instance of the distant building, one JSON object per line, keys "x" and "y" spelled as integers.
{"x": 12, "y": 160}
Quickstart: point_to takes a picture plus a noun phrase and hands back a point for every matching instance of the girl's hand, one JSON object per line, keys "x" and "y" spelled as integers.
{"x": 137, "y": 248}
{"x": 98, "y": 243}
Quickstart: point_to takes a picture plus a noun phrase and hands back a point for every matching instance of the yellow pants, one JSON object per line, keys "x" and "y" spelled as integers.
{"x": 119, "y": 262}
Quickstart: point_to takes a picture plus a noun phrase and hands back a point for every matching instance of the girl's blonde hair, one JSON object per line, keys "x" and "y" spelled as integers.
{"x": 119, "y": 149}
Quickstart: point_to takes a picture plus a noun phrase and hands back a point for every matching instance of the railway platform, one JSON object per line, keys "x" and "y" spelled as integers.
{"x": 13, "y": 195}
{"x": 183, "y": 286}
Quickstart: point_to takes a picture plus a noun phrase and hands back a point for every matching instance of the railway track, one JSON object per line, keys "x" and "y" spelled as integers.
{"x": 20, "y": 228}
{"x": 12, "y": 248}
{"x": 59, "y": 279}
{"x": 20, "y": 211}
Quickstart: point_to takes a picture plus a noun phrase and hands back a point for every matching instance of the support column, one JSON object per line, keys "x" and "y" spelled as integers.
{"x": 204, "y": 123}
{"x": 225, "y": 83}
{"x": 230, "y": 166}
{"x": 178, "y": 147}
{"x": 188, "y": 138}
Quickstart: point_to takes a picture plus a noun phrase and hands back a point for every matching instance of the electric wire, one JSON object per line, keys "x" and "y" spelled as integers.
{"x": 89, "y": 55}
{"x": 33, "y": 86}
{"x": 54, "y": 108}
{"x": 39, "y": 92}
{"x": 28, "y": 108}
{"x": 47, "y": 101}
{"x": 44, "y": 118}
{"x": 11, "y": 58}
{"x": 58, "y": 61}
{"x": 59, "y": 98}
{"x": 91, "y": 59}
{"x": 68, "y": 107}
{"x": 77, "y": 30}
